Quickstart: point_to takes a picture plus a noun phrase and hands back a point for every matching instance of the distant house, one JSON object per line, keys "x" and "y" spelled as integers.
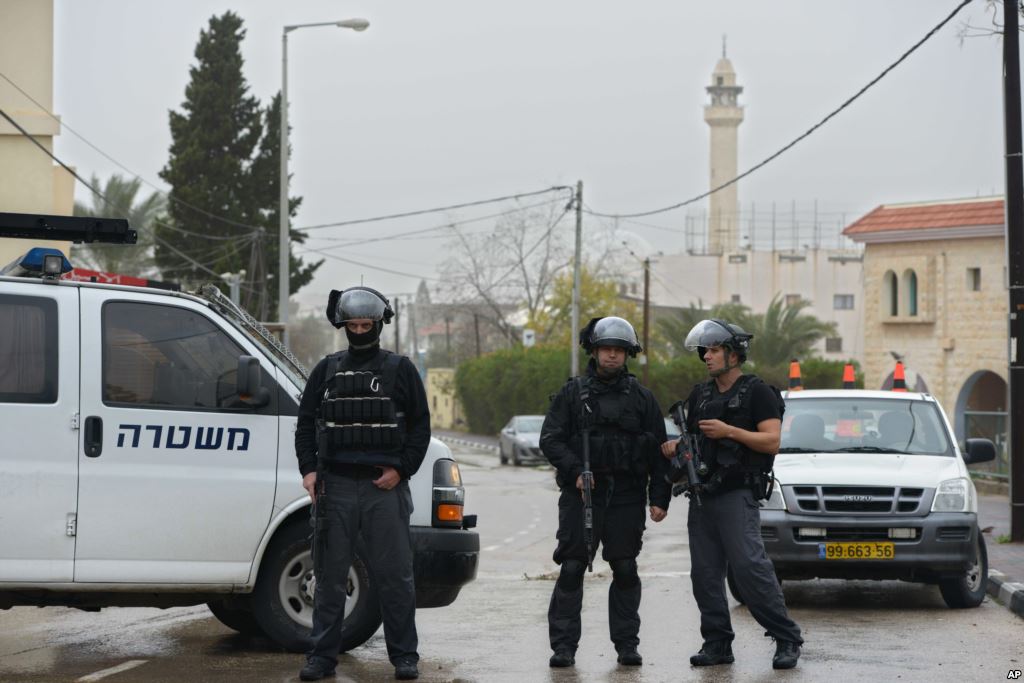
{"x": 935, "y": 295}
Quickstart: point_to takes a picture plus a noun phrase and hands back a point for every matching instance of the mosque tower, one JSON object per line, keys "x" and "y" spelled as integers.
{"x": 724, "y": 115}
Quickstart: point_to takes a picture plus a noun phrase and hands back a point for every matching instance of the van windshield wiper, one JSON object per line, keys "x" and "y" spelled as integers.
{"x": 869, "y": 449}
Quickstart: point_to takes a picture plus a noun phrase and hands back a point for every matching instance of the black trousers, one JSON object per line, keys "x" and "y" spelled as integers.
{"x": 355, "y": 507}
{"x": 618, "y": 528}
{"x": 726, "y": 531}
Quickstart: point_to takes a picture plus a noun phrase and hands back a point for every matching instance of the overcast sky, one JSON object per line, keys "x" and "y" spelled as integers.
{"x": 451, "y": 101}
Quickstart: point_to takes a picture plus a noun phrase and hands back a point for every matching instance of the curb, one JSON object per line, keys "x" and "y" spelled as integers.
{"x": 1008, "y": 593}
{"x": 467, "y": 442}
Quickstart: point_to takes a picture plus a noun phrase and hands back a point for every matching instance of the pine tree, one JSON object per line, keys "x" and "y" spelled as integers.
{"x": 223, "y": 206}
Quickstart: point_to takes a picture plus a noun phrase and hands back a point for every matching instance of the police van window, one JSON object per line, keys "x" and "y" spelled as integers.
{"x": 167, "y": 357}
{"x": 28, "y": 349}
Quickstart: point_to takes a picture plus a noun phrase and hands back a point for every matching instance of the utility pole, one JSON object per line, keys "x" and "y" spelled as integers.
{"x": 574, "y": 361}
{"x": 448, "y": 338}
{"x": 476, "y": 332}
{"x": 647, "y": 316}
{"x": 1014, "y": 262}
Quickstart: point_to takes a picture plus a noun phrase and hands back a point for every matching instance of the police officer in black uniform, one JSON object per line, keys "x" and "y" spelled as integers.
{"x": 737, "y": 420}
{"x": 363, "y": 430}
{"x": 626, "y": 427}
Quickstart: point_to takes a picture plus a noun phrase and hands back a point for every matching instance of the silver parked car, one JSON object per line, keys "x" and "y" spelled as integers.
{"x": 519, "y": 440}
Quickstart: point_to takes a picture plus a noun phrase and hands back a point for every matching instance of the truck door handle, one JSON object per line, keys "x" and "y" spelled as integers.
{"x": 93, "y": 436}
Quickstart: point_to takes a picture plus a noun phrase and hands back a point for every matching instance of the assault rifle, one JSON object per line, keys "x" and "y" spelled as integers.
{"x": 588, "y": 501}
{"x": 687, "y": 461}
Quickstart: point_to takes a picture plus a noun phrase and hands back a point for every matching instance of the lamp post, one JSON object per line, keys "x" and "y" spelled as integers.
{"x": 284, "y": 269}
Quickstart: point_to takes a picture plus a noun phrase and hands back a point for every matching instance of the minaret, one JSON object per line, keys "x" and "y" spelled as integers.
{"x": 724, "y": 115}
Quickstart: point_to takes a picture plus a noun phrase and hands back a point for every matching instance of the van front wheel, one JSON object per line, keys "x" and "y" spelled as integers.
{"x": 282, "y": 600}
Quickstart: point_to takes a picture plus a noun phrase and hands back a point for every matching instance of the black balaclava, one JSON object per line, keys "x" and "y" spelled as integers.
{"x": 366, "y": 340}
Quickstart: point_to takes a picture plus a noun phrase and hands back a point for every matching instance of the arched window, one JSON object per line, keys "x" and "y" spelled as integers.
{"x": 910, "y": 291}
{"x": 890, "y": 294}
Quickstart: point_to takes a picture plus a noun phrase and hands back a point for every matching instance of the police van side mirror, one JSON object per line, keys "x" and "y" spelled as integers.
{"x": 250, "y": 389}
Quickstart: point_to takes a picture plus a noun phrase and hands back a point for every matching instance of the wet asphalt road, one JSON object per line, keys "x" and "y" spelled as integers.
{"x": 497, "y": 629}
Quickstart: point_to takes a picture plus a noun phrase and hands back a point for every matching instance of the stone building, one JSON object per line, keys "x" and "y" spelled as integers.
{"x": 935, "y": 295}
{"x": 29, "y": 181}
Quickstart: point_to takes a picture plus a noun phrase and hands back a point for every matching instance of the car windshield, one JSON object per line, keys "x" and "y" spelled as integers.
{"x": 531, "y": 423}
{"x": 863, "y": 425}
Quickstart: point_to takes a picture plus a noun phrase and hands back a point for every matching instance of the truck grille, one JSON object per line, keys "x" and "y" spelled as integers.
{"x": 859, "y": 500}
{"x": 856, "y": 534}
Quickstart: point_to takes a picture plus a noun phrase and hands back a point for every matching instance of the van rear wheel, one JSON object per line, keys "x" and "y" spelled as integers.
{"x": 282, "y": 601}
{"x": 968, "y": 590}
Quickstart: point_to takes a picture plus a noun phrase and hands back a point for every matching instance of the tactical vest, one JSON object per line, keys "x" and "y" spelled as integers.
{"x": 358, "y": 420}
{"x": 733, "y": 410}
{"x": 616, "y": 423}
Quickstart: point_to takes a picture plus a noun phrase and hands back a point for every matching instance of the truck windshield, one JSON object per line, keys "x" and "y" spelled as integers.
{"x": 864, "y": 425}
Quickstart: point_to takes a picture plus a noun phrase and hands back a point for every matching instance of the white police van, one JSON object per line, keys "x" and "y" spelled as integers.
{"x": 872, "y": 485}
{"x": 147, "y": 456}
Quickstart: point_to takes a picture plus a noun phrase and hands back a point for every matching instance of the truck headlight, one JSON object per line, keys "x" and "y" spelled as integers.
{"x": 953, "y": 495}
{"x": 774, "y": 501}
{"x": 449, "y": 495}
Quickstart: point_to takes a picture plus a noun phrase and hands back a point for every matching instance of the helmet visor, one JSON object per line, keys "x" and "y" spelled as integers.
{"x": 707, "y": 333}
{"x": 359, "y": 304}
{"x": 613, "y": 331}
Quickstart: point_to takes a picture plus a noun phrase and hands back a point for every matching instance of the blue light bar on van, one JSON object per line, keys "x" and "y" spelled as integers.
{"x": 38, "y": 262}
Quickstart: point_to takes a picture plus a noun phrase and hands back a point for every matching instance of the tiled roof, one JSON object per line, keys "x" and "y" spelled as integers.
{"x": 929, "y": 216}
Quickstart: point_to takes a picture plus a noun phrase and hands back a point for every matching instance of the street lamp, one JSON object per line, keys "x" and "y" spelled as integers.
{"x": 284, "y": 269}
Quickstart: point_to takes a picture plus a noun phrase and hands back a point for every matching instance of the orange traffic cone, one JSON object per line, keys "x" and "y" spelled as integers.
{"x": 795, "y": 383}
{"x": 849, "y": 381}
{"x": 899, "y": 378}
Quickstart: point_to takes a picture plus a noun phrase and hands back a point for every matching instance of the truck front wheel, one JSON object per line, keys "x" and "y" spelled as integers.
{"x": 968, "y": 590}
{"x": 282, "y": 601}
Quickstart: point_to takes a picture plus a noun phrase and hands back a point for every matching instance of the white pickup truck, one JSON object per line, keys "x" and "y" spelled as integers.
{"x": 147, "y": 459}
{"x": 872, "y": 485}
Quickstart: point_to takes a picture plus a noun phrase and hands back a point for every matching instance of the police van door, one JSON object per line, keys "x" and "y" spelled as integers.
{"x": 181, "y": 486}
{"x": 38, "y": 437}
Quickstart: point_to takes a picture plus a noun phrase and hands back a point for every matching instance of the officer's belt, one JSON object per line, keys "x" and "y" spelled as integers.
{"x": 353, "y": 470}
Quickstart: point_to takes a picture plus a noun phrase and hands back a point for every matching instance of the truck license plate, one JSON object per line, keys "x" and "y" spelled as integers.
{"x": 856, "y": 551}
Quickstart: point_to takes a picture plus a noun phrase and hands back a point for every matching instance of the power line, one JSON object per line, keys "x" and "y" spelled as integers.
{"x": 452, "y": 207}
{"x": 353, "y": 241}
{"x": 367, "y": 265}
{"x": 807, "y": 133}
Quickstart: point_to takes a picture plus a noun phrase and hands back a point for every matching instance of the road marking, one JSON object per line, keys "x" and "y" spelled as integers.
{"x": 99, "y": 675}
{"x": 509, "y": 539}
{"x": 491, "y": 547}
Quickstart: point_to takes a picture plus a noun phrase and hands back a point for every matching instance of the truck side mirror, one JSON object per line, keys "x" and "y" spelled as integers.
{"x": 979, "y": 450}
{"x": 250, "y": 389}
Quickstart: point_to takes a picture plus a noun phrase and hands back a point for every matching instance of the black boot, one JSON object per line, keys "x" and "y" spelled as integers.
{"x": 405, "y": 670}
{"x": 712, "y": 653}
{"x": 316, "y": 668}
{"x": 628, "y": 656}
{"x": 786, "y": 654}
{"x": 561, "y": 659}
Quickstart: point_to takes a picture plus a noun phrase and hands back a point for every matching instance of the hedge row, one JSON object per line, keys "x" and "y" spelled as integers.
{"x": 494, "y": 387}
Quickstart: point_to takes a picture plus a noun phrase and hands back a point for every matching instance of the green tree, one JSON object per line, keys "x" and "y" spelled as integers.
{"x": 120, "y": 199}
{"x": 223, "y": 173}
{"x": 784, "y": 331}
{"x": 598, "y": 297}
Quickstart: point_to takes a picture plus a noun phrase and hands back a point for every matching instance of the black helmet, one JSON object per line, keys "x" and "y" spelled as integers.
{"x": 358, "y": 303}
{"x": 610, "y": 331}
{"x": 715, "y": 332}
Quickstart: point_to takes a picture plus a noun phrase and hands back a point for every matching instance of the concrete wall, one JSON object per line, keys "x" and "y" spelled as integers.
{"x": 29, "y": 180}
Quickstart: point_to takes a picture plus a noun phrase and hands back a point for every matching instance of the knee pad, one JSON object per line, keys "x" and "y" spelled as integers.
{"x": 571, "y": 576}
{"x": 624, "y": 573}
